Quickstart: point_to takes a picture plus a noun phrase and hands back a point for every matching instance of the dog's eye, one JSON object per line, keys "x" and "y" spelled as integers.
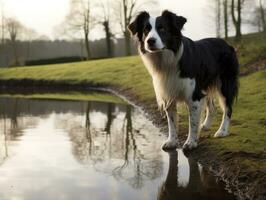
{"x": 146, "y": 30}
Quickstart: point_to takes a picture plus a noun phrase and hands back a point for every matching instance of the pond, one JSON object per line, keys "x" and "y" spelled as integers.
{"x": 54, "y": 149}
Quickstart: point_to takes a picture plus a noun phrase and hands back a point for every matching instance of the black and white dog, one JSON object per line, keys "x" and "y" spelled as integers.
{"x": 188, "y": 71}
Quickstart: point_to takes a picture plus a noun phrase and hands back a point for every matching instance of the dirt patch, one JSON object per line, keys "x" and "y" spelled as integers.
{"x": 253, "y": 67}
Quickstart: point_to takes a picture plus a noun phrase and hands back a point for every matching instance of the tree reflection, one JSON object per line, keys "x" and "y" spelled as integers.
{"x": 15, "y": 129}
{"x": 3, "y": 140}
{"x": 12, "y": 123}
{"x": 110, "y": 117}
{"x": 127, "y": 130}
{"x": 87, "y": 127}
{"x": 119, "y": 149}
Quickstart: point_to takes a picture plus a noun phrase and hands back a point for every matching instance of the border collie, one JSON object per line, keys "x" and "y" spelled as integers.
{"x": 187, "y": 71}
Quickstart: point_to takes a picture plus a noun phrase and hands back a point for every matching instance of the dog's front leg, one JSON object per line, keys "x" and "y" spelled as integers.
{"x": 194, "y": 108}
{"x": 172, "y": 141}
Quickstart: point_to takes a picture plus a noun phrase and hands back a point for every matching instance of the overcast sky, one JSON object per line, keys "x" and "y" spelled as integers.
{"x": 44, "y": 15}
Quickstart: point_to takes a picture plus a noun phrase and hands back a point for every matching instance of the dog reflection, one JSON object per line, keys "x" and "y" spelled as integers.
{"x": 201, "y": 185}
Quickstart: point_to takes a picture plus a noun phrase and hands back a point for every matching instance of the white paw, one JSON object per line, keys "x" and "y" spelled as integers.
{"x": 204, "y": 127}
{"x": 170, "y": 144}
{"x": 221, "y": 133}
{"x": 190, "y": 144}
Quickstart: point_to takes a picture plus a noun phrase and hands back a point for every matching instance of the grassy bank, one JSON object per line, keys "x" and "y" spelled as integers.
{"x": 247, "y": 141}
{"x": 77, "y": 96}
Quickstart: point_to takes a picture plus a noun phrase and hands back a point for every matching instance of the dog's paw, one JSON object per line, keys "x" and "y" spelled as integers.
{"x": 221, "y": 133}
{"x": 190, "y": 144}
{"x": 170, "y": 144}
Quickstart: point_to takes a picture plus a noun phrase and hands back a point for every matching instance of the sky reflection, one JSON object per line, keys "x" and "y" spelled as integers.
{"x": 89, "y": 150}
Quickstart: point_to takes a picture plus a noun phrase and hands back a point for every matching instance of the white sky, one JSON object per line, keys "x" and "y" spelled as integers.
{"x": 44, "y": 15}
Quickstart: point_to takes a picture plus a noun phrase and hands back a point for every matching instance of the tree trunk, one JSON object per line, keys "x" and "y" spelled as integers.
{"x": 225, "y": 5}
{"x": 237, "y": 21}
{"x": 108, "y": 36}
{"x": 263, "y": 20}
{"x": 126, "y": 33}
{"x": 87, "y": 45}
{"x": 127, "y": 43}
{"x": 14, "y": 44}
{"x": 218, "y": 18}
{"x": 28, "y": 50}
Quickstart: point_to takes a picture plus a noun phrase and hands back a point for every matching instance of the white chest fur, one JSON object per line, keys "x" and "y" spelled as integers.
{"x": 169, "y": 87}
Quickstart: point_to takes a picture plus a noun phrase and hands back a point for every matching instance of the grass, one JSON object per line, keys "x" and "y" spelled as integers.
{"x": 251, "y": 48}
{"x": 78, "y": 96}
{"x": 127, "y": 73}
{"x": 249, "y": 118}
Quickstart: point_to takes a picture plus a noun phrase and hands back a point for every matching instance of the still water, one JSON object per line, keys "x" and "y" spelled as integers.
{"x": 91, "y": 150}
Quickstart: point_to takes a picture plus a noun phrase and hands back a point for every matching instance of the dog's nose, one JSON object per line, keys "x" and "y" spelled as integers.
{"x": 151, "y": 41}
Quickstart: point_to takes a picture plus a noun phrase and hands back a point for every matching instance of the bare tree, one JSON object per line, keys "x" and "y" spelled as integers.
{"x": 127, "y": 10}
{"x": 262, "y": 14}
{"x": 106, "y": 25}
{"x": 218, "y": 18}
{"x": 236, "y": 7}
{"x": 80, "y": 19}
{"x": 225, "y": 14}
{"x": 13, "y": 28}
{"x": 2, "y": 23}
{"x": 30, "y": 35}
{"x": 219, "y": 15}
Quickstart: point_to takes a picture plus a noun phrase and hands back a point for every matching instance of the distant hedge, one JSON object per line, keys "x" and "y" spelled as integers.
{"x": 54, "y": 60}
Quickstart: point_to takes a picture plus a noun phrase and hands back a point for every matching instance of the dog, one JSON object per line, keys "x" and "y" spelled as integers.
{"x": 187, "y": 71}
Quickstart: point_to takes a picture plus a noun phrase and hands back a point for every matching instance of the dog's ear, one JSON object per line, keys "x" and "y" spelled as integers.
{"x": 176, "y": 21}
{"x": 137, "y": 25}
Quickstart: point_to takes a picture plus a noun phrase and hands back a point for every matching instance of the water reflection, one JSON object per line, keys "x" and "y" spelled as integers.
{"x": 200, "y": 184}
{"x": 68, "y": 150}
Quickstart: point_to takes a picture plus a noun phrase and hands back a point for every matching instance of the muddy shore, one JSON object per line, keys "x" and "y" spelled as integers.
{"x": 239, "y": 181}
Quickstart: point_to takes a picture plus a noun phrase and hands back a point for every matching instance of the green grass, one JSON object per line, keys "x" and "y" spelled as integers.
{"x": 249, "y": 118}
{"x": 77, "y": 96}
{"x": 248, "y": 121}
{"x": 251, "y": 48}
{"x": 127, "y": 73}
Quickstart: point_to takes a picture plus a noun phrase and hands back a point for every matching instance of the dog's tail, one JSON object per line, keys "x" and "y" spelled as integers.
{"x": 229, "y": 78}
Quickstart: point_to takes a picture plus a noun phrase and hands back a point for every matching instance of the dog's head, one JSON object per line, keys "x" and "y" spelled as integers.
{"x": 157, "y": 33}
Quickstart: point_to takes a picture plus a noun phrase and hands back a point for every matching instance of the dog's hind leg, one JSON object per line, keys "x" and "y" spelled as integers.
{"x": 195, "y": 108}
{"x": 172, "y": 141}
{"x": 227, "y": 111}
{"x": 210, "y": 109}
{"x": 228, "y": 90}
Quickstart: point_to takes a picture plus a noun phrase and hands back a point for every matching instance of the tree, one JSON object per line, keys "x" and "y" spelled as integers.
{"x": 80, "y": 19}
{"x": 225, "y": 14}
{"x": 106, "y": 25}
{"x": 236, "y": 6}
{"x": 13, "y": 28}
{"x": 127, "y": 9}
{"x": 218, "y": 18}
{"x": 262, "y": 15}
{"x": 2, "y": 23}
{"x": 30, "y": 35}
